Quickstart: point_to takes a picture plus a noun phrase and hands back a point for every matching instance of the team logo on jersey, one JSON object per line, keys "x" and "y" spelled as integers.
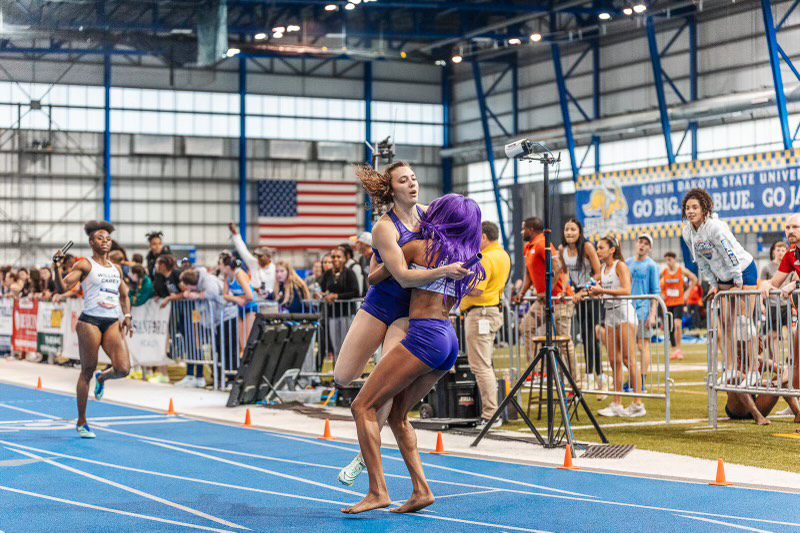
{"x": 704, "y": 248}
{"x": 607, "y": 210}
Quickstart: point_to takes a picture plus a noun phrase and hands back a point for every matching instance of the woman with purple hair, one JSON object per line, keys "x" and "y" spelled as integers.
{"x": 451, "y": 232}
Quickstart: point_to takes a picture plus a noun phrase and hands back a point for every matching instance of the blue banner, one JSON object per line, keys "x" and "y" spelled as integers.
{"x": 612, "y": 207}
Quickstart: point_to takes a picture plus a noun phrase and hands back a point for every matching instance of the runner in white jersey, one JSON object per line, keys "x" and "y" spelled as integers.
{"x": 106, "y": 301}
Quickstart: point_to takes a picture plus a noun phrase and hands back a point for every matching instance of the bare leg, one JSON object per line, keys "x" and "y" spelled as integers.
{"x": 628, "y": 355}
{"x": 406, "y": 437}
{"x": 612, "y": 342}
{"x": 748, "y": 403}
{"x": 117, "y": 349}
{"x": 88, "y": 344}
{"x": 396, "y": 371}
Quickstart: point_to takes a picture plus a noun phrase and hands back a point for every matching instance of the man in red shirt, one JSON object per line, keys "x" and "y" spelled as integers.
{"x": 535, "y": 276}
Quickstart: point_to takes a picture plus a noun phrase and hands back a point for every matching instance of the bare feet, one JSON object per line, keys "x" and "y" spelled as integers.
{"x": 762, "y": 421}
{"x": 797, "y": 419}
{"x": 371, "y": 502}
{"x": 415, "y": 503}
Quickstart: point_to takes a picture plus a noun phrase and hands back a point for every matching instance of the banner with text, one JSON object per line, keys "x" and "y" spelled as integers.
{"x": 756, "y": 188}
{"x": 6, "y": 324}
{"x": 25, "y": 313}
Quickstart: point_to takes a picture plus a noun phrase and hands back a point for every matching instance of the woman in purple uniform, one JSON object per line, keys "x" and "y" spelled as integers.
{"x": 450, "y": 233}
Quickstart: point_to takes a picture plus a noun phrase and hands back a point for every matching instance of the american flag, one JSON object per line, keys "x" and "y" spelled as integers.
{"x": 302, "y": 215}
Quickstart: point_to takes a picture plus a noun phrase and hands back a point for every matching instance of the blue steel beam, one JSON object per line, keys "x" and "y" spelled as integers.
{"x": 655, "y": 60}
{"x": 107, "y": 138}
{"x": 243, "y": 148}
{"x": 563, "y": 98}
{"x": 596, "y": 98}
{"x": 515, "y": 109}
{"x": 368, "y": 134}
{"x": 777, "y": 78}
{"x": 487, "y": 139}
{"x": 447, "y": 100}
{"x": 693, "y": 79}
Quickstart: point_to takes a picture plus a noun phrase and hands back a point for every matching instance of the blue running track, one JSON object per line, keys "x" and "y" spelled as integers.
{"x": 149, "y": 472}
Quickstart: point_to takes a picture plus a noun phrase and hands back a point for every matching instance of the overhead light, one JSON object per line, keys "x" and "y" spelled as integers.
{"x": 232, "y": 52}
{"x": 403, "y": 54}
{"x": 604, "y": 16}
{"x": 350, "y": 7}
{"x": 457, "y": 59}
{"x": 278, "y": 35}
{"x": 514, "y": 41}
{"x": 331, "y": 7}
{"x": 278, "y": 29}
{"x": 628, "y": 11}
{"x": 536, "y": 37}
{"x": 260, "y": 36}
{"x": 324, "y": 48}
{"x": 355, "y": 2}
{"x": 441, "y": 63}
{"x": 639, "y": 8}
{"x": 292, "y": 27}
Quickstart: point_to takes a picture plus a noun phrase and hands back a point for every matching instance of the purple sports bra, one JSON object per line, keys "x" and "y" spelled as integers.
{"x": 406, "y": 235}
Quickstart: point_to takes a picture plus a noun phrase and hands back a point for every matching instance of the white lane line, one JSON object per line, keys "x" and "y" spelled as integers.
{"x": 131, "y": 490}
{"x": 143, "y": 422}
{"x": 427, "y": 465}
{"x": 468, "y": 493}
{"x": 255, "y": 468}
{"x": 110, "y": 510}
{"x": 302, "y": 463}
{"x": 28, "y": 411}
{"x": 178, "y": 477}
{"x": 727, "y": 524}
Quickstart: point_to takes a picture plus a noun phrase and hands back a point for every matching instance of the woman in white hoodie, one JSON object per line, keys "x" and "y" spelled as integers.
{"x": 725, "y": 265}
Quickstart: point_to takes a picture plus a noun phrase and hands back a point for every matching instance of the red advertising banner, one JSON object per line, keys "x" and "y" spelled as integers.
{"x": 25, "y": 312}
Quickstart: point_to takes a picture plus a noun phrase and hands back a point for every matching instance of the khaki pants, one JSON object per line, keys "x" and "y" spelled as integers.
{"x": 480, "y": 347}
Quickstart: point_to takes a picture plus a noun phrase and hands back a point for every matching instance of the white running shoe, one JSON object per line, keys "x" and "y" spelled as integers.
{"x": 200, "y": 382}
{"x": 615, "y": 409}
{"x": 787, "y": 411}
{"x": 187, "y": 382}
{"x": 635, "y": 410}
{"x": 349, "y": 474}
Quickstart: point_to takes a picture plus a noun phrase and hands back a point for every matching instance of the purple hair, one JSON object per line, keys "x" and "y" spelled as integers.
{"x": 452, "y": 227}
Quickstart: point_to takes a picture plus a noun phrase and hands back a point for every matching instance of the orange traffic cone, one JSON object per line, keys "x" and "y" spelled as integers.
{"x": 568, "y": 460}
{"x": 39, "y": 385}
{"x": 171, "y": 411}
{"x": 326, "y": 435}
{"x": 720, "y": 482}
{"x": 439, "y": 445}
{"x": 247, "y": 422}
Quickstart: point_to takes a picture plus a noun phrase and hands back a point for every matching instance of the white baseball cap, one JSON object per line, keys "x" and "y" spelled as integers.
{"x": 366, "y": 238}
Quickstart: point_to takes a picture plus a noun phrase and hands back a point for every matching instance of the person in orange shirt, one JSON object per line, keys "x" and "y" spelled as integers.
{"x": 535, "y": 277}
{"x": 695, "y": 305}
{"x": 674, "y": 291}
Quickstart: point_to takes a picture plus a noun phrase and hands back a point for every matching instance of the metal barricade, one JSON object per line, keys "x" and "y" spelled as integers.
{"x": 335, "y": 319}
{"x": 192, "y": 334}
{"x": 752, "y": 346}
{"x": 606, "y": 342}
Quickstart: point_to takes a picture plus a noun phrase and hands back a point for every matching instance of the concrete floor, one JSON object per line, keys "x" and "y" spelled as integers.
{"x": 210, "y": 405}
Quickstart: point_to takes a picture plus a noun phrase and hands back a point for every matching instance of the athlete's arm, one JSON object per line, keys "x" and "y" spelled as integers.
{"x": 393, "y": 259}
{"x": 79, "y": 270}
{"x": 125, "y": 303}
{"x": 241, "y": 248}
{"x": 378, "y": 274}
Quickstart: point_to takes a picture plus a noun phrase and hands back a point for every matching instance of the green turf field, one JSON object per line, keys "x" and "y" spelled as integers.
{"x": 741, "y": 442}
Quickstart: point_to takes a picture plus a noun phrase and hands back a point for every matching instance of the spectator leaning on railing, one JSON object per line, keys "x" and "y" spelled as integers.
{"x": 166, "y": 283}
{"x": 338, "y": 284}
{"x": 290, "y": 290}
{"x": 352, "y": 264}
{"x": 157, "y": 249}
{"x": 199, "y": 284}
{"x": 260, "y": 265}
{"x": 141, "y": 287}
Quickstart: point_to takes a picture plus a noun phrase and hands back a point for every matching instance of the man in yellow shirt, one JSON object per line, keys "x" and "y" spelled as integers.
{"x": 484, "y": 318}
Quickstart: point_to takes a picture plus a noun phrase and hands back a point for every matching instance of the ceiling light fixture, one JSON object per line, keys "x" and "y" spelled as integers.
{"x": 536, "y": 37}
{"x": 350, "y": 7}
{"x": 514, "y": 41}
{"x": 639, "y": 8}
{"x": 292, "y": 27}
{"x": 628, "y": 11}
{"x": 232, "y": 52}
{"x": 260, "y": 36}
{"x": 604, "y": 16}
{"x": 331, "y": 7}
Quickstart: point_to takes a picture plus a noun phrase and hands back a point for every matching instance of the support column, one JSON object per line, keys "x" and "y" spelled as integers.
{"x": 693, "y": 79}
{"x": 563, "y": 99}
{"x": 777, "y": 78}
{"x": 368, "y": 134}
{"x": 658, "y": 79}
{"x": 243, "y": 147}
{"x": 596, "y": 99}
{"x": 447, "y": 100}
{"x": 487, "y": 140}
{"x": 107, "y": 137}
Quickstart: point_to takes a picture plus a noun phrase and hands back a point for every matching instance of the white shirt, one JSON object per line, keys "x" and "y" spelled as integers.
{"x": 263, "y": 279}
